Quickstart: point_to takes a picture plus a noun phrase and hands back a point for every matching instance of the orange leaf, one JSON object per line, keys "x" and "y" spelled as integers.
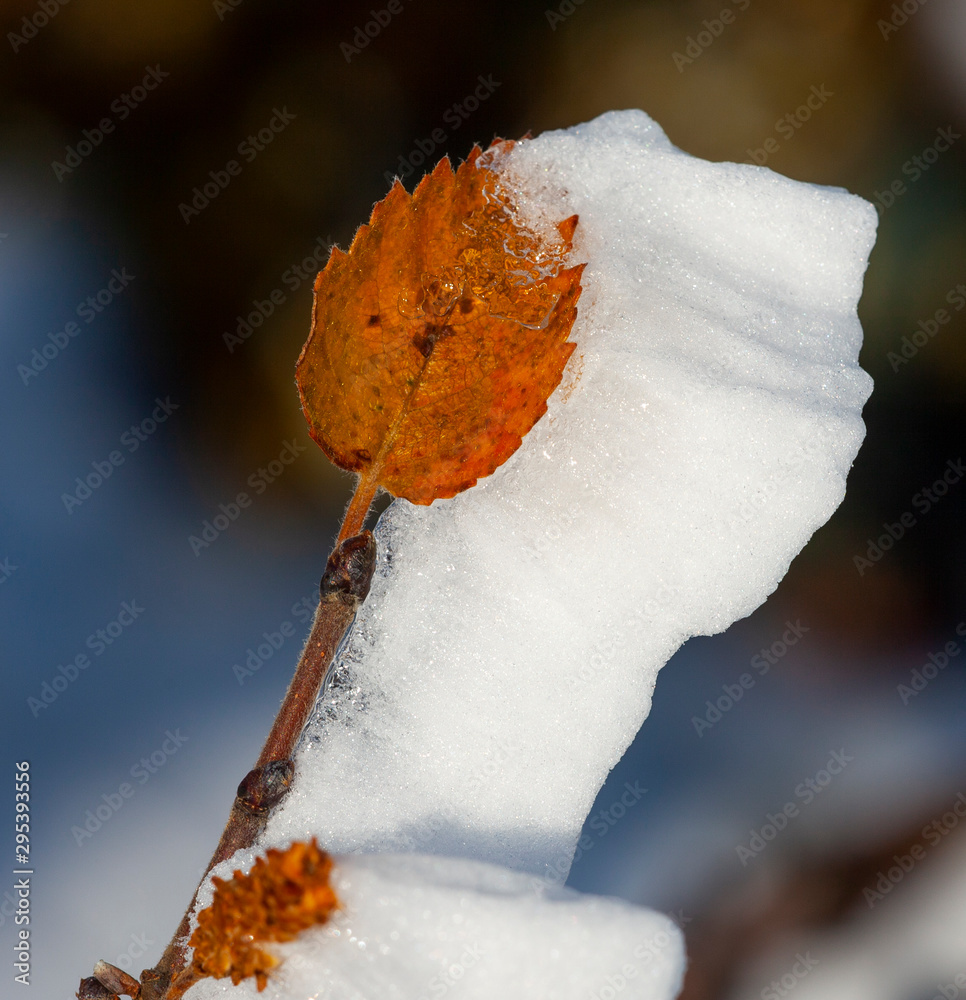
{"x": 285, "y": 892}
{"x": 438, "y": 337}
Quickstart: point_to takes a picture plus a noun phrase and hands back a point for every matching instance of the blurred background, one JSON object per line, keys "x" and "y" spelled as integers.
{"x": 154, "y": 301}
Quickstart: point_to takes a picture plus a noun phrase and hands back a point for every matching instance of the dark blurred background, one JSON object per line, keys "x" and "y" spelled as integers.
{"x": 114, "y": 118}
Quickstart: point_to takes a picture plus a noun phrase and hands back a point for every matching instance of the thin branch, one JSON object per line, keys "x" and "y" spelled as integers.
{"x": 344, "y": 587}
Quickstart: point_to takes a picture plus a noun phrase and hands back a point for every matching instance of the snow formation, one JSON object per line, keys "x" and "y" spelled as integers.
{"x": 508, "y": 650}
{"x": 417, "y": 927}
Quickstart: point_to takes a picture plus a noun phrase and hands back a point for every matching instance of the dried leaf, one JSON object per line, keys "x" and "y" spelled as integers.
{"x": 285, "y": 893}
{"x": 438, "y": 337}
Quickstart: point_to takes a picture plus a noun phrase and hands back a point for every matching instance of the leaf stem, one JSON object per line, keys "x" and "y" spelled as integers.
{"x": 355, "y": 515}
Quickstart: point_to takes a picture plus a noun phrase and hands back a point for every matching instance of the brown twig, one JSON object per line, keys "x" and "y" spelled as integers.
{"x": 344, "y": 587}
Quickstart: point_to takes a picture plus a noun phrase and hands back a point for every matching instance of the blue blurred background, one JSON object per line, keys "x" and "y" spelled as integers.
{"x": 124, "y": 433}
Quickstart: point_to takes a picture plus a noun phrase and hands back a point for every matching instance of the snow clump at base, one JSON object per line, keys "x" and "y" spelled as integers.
{"x": 418, "y": 927}
{"x": 508, "y": 650}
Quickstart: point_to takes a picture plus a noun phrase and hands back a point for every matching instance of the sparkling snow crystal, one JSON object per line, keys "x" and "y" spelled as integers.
{"x": 509, "y": 648}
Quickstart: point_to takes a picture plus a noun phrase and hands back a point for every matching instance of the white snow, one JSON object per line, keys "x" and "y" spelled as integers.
{"x": 509, "y": 648}
{"x": 417, "y": 927}
{"x": 507, "y": 653}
